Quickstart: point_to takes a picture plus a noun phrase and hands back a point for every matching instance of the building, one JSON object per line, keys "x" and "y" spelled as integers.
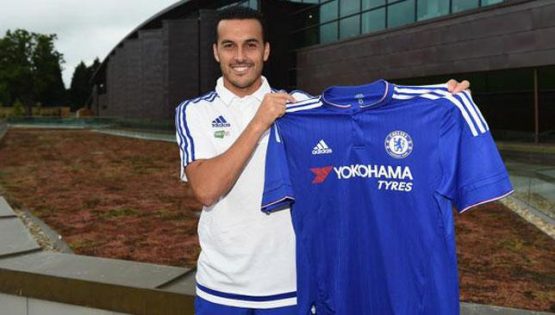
{"x": 506, "y": 48}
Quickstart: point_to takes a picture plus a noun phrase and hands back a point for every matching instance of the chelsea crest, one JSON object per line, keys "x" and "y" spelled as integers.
{"x": 398, "y": 144}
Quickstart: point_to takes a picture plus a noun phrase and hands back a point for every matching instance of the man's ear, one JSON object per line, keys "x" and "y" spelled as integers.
{"x": 215, "y": 50}
{"x": 266, "y": 51}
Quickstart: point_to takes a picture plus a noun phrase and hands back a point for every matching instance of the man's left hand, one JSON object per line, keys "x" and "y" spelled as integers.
{"x": 455, "y": 87}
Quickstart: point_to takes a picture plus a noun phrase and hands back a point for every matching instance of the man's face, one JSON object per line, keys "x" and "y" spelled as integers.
{"x": 241, "y": 52}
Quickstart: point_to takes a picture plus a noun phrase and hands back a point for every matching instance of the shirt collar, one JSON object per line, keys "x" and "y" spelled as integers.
{"x": 369, "y": 95}
{"x": 228, "y": 97}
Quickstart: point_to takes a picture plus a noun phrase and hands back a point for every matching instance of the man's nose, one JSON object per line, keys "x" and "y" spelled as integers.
{"x": 240, "y": 54}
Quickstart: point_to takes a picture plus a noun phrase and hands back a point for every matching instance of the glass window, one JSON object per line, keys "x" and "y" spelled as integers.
{"x": 400, "y": 13}
{"x": 428, "y": 9}
{"x": 489, "y": 2}
{"x": 349, "y": 27}
{"x": 328, "y": 11}
{"x": 373, "y": 21}
{"x": 348, "y": 7}
{"x": 369, "y": 4}
{"x": 461, "y": 5}
{"x": 546, "y": 78}
{"x": 328, "y": 33}
{"x": 253, "y": 4}
{"x": 310, "y": 1}
{"x": 305, "y": 18}
{"x": 307, "y": 37}
{"x": 510, "y": 80}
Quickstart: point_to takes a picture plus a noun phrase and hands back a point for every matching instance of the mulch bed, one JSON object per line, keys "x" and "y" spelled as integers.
{"x": 121, "y": 198}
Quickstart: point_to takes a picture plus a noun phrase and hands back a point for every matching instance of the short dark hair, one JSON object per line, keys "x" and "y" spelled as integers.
{"x": 240, "y": 13}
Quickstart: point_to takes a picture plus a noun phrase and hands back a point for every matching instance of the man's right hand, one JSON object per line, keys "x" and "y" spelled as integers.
{"x": 272, "y": 107}
{"x": 210, "y": 185}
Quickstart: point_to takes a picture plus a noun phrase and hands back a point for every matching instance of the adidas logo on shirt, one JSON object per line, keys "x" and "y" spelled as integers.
{"x": 220, "y": 122}
{"x": 321, "y": 148}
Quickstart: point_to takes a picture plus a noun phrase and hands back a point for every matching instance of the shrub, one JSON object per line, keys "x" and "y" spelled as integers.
{"x": 18, "y": 109}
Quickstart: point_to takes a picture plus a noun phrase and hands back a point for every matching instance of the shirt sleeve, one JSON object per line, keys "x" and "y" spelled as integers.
{"x": 472, "y": 170}
{"x": 193, "y": 138}
{"x": 278, "y": 191}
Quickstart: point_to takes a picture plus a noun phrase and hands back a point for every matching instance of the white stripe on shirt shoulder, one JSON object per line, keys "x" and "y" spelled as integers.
{"x": 418, "y": 90}
{"x": 307, "y": 106}
{"x": 311, "y": 100}
{"x": 463, "y": 101}
{"x": 300, "y": 95}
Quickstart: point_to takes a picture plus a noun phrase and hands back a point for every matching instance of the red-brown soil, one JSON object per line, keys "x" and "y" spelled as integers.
{"x": 107, "y": 196}
{"x": 122, "y": 198}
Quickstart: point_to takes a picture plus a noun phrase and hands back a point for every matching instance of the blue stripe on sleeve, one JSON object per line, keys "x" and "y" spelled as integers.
{"x": 187, "y": 145}
{"x": 181, "y": 135}
{"x": 191, "y": 157}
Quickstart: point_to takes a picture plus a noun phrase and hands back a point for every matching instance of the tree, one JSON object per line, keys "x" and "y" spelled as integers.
{"x": 16, "y": 69}
{"x": 94, "y": 67}
{"x": 30, "y": 69}
{"x": 48, "y": 84}
{"x": 81, "y": 87}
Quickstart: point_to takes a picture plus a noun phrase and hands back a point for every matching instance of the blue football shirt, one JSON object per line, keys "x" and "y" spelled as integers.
{"x": 373, "y": 173}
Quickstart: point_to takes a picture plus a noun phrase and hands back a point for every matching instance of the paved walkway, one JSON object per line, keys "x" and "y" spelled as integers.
{"x": 138, "y": 134}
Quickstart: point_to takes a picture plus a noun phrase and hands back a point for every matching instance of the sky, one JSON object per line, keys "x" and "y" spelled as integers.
{"x": 86, "y": 29}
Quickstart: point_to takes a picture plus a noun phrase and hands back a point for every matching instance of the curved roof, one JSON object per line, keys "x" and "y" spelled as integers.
{"x": 177, "y": 10}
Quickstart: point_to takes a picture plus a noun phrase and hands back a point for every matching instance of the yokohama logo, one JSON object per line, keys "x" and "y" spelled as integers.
{"x": 362, "y": 171}
{"x": 321, "y": 173}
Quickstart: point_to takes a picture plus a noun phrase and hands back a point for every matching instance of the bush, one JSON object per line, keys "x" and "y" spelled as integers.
{"x": 37, "y": 109}
{"x": 18, "y": 109}
{"x": 4, "y": 111}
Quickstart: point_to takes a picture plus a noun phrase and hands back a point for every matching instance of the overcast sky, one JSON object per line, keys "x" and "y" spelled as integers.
{"x": 86, "y": 29}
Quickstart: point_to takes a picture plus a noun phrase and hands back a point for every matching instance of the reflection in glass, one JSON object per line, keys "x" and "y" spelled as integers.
{"x": 373, "y": 21}
{"x": 428, "y": 9}
{"x": 489, "y": 2}
{"x": 461, "y": 5}
{"x": 328, "y": 11}
{"x": 369, "y": 4}
{"x": 328, "y": 33}
{"x": 348, "y": 7}
{"x": 349, "y": 27}
{"x": 400, "y": 13}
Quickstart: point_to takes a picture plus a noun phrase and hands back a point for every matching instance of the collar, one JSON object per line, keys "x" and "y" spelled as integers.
{"x": 369, "y": 95}
{"x": 228, "y": 97}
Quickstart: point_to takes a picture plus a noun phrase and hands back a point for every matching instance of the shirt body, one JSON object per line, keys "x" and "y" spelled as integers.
{"x": 373, "y": 172}
{"x": 247, "y": 257}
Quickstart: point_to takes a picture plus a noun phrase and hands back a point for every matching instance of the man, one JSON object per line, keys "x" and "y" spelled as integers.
{"x": 247, "y": 262}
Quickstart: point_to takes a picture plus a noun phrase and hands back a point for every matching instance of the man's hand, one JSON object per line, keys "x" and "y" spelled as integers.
{"x": 212, "y": 178}
{"x": 272, "y": 107}
{"x": 455, "y": 87}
